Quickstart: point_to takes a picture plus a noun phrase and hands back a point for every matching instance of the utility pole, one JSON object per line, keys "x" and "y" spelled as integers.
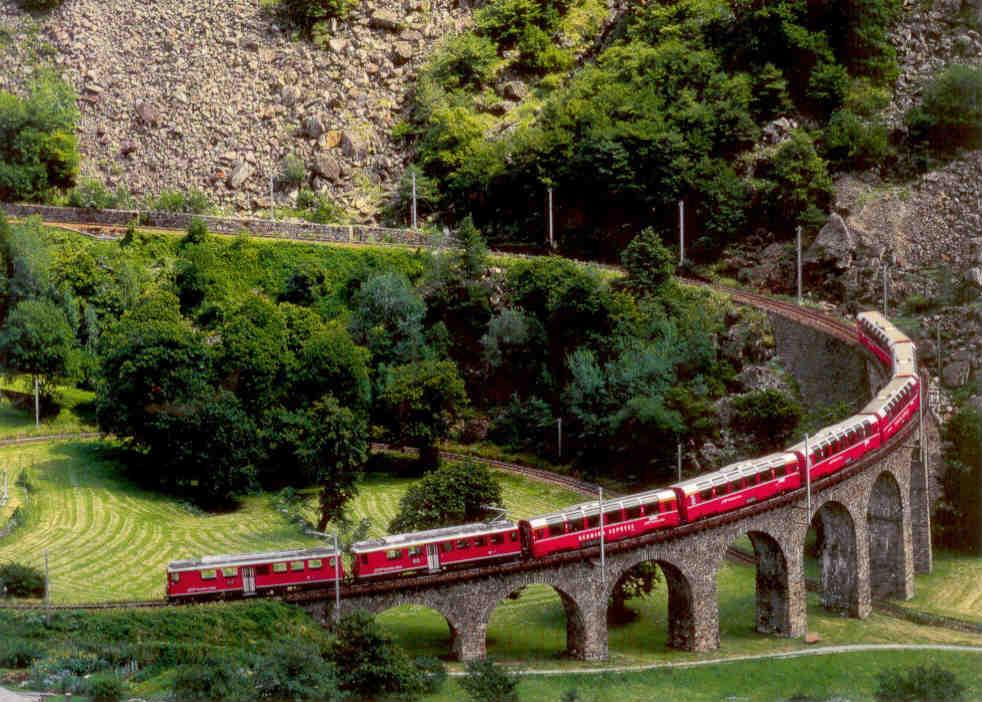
{"x": 681, "y": 233}
{"x": 37, "y": 403}
{"x": 884, "y": 288}
{"x": 47, "y": 586}
{"x": 798, "y": 237}
{"x": 272, "y": 199}
{"x": 552, "y": 238}
{"x": 414, "y": 199}
{"x": 337, "y": 580}
{"x": 679, "y": 460}
{"x": 559, "y": 436}
{"x": 808, "y": 511}
{"x": 603, "y": 553}
{"x": 940, "y": 358}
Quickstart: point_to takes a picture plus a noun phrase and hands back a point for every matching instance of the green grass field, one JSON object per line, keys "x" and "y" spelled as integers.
{"x": 75, "y": 414}
{"x": 849, "y": 675}
{"x": 953, "y": 589}
{"x": 110, "y": 539}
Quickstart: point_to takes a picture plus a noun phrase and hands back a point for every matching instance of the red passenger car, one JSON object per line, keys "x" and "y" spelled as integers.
{"x": 252, "y": 573}
{"x": 835, "y": 447}
{"x": 579, "y": 526}
{"x": 436, "y": 549}
{"x": 895, "y": 405}
{"x": 738, "y": 485}
{"x": 874, "y": 334}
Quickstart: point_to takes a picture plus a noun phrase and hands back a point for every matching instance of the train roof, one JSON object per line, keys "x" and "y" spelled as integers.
{"x": 422, "y": 537}
{"x": 589, "y": 509}
{"x": 888, "y": 393}
{"x": 904, "y": 359}
{"x": 246, "y": 559}
{"x": 736, "y": 470}
{"x": 833, "y": 432}
{"x": 886, "y": 328}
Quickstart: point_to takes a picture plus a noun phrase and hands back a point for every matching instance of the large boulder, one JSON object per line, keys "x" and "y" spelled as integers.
{"x": 835, "y": 246}
{"x": 239, "y": 175}
{"x": 955, "y": 374}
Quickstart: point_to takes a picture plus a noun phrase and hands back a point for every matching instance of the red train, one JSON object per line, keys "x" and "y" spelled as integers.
{"x": 577, "y": 527}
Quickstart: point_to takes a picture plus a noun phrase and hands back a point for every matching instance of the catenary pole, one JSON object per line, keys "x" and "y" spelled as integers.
{"x": 414, "y": 199}
{"x": 552, "y": 238}
{"x": 337, "y": 580}
{"x": 37, "y": 403}
{"x": 603, "y": 553}
{"x": 559, "y": 436}
{"x": 798, "y": 238}
{"x": 681, "y": 232}
{"x": 678, "y": 460}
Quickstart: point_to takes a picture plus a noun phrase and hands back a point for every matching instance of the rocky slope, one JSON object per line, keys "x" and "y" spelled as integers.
{"x": 181, "y": 94}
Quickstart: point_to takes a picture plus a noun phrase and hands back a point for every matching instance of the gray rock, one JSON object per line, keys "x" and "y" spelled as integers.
{"x": 240, "y": 174}
{"x": 289, "y": 95}
{"x": 402, "y": 52}
{"x": 514, "y": 90}
{"x": 974, "y": 276}
{"x": 779, "y": 130}
{"x": 975, "y": 403}
{"x": 337, "y": 45}
{"x": 313, "y": 127}
{"x": 328, "y": 166}
{"x": 955, "y": 374}
{"x": 147, "y": 113}
{"x": 385, "y": 19}
{"x": 835, "y": 245}
{"x": 353, "y": 146}
{"x": 754, "y": 378}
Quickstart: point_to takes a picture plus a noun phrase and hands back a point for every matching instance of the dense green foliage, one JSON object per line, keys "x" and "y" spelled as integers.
{"x": 454, "y": 494}
{"x": 38, "y": 146}
{"x": 36, "y": 339}
{"x": 769, "y": 415}
{"x": 919, "y": 684}
{"x": 949, "y": 115}
{"x": 306, "y": 14}
{"x": 487, "y": 682}
{"x": 958, "y": 518}
{"x": 18, "y": 580}
{"x": 668, "y": 110}
{"x": 39, "y": 5}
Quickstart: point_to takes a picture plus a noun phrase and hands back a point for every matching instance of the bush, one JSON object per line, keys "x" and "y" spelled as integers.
{"x": 18, "y": 653}
{"x": 214, "y": 681}
{"x": 293, "y": 170}
{"x": 21, "y": 580}
{"x": 38, "y": 146}
{"x": 369, "y": 664}
{"x": 453, "y": 494}
{"x": 306, "y": 13}
{"x": 769, "y": 415}
{"x": 39, "y": 5}
{"x": 92, "y": 194}
{"x": 297, "y": 672}
{"x": 799, "y": 188}
{"x": 319, "y": 208}
{"x": 920, "y": 684}
{"x": 487, "y": 682}
{"x": 193, "y": 202}
{"x": 850, "y": 142}
{"x": 105, "y": 687}
{"x": 466, "y": 61}
{"x": 433, "y": 672}
{"x": 949, "y": 115}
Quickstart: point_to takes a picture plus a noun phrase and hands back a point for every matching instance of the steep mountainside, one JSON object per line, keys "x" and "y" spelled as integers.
{"x": 183, "y": 94}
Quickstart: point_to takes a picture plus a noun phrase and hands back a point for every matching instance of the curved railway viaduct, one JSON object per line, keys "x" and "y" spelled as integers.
{"x": 873, "y": 516}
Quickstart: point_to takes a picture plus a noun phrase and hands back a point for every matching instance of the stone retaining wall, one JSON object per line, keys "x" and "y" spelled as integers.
{"x": 300, "y": 231}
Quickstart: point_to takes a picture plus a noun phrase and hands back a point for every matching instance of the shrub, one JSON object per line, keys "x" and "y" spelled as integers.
{"x": 851, "y": 142}
{"x": 38, "y": 146}
{"x": 193, "y": 202}
{"x": 369, "y": 664}
{"x": 433, "y": 672}
{"x": 306, "y": 13}
{"x": 21, "y": 580}
{"x": 39, "y": 5}
{"x": 799, "y": 188}
{"x": 215, "y": 681}
{"x": 648, "y": 262}
{"x": 769, "y": 415}
{"x": 18, "y": 653}
{"x": 293, "y": 170}
{"x": 297, "y": 672}
{"x": 467, "y": 61}
{"x": 488, "y": 682}
{"x": 92, "y": 194}
{"x": 920, "y": 684}
{"x": 197, "y": 233}
{"x": 319, "y": 208}
{"x": 950, "y": 112}
{"x": 105, "y": 687}
{"x": 452, "y": 494}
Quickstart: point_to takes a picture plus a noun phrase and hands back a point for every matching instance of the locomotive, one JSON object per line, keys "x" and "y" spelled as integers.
{"x": 578, "y": 527}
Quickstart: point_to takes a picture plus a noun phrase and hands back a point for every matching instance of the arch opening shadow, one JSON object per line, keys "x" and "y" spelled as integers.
{"x": 420, "y": 629}
{"x": 884, "y": 518}
{"x": 650, "y": 619}
{"x": 838, "y": 559}
{"x": 536, "y": 622}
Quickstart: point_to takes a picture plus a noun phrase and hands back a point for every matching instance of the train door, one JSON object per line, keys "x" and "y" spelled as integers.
{"x": 432, "y": 558}
{"x": 249, "y": 581}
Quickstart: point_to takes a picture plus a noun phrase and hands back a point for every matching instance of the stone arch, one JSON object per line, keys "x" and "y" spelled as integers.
{"x": 839, "y": 558}
{"x": 453, "y": 639}
{"x": 885, "y": 530}
{"x": 683, "y": 603}
{"x": 580, "y": 625}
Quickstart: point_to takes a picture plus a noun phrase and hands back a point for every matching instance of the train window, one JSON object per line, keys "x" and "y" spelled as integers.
{"x": 230, "y": 572}
{"x": 497, "y": 538}
{"x": 706, "y": 495}
{"x": 462, "y": 543}
{"x": 540, "y": 533}
{"x": 175, "y": 577}
{"x": 634, "y": 512}
{"x": 415, "y": 551}
{"x": 479, "y": 541}
{"x": 296, "y": 565}
{"x": 514, "y": 536}
{"x": 279, "y": 567}
{"x": 315, "y": 564}
{"x": 209, "y": 574}
{"x": 446, "y": 546}
{"x": 592, "y": 522}
{"x": 393, "y": 554}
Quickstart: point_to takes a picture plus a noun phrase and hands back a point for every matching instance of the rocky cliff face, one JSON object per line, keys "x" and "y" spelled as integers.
{"x": 182, "y": 94}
